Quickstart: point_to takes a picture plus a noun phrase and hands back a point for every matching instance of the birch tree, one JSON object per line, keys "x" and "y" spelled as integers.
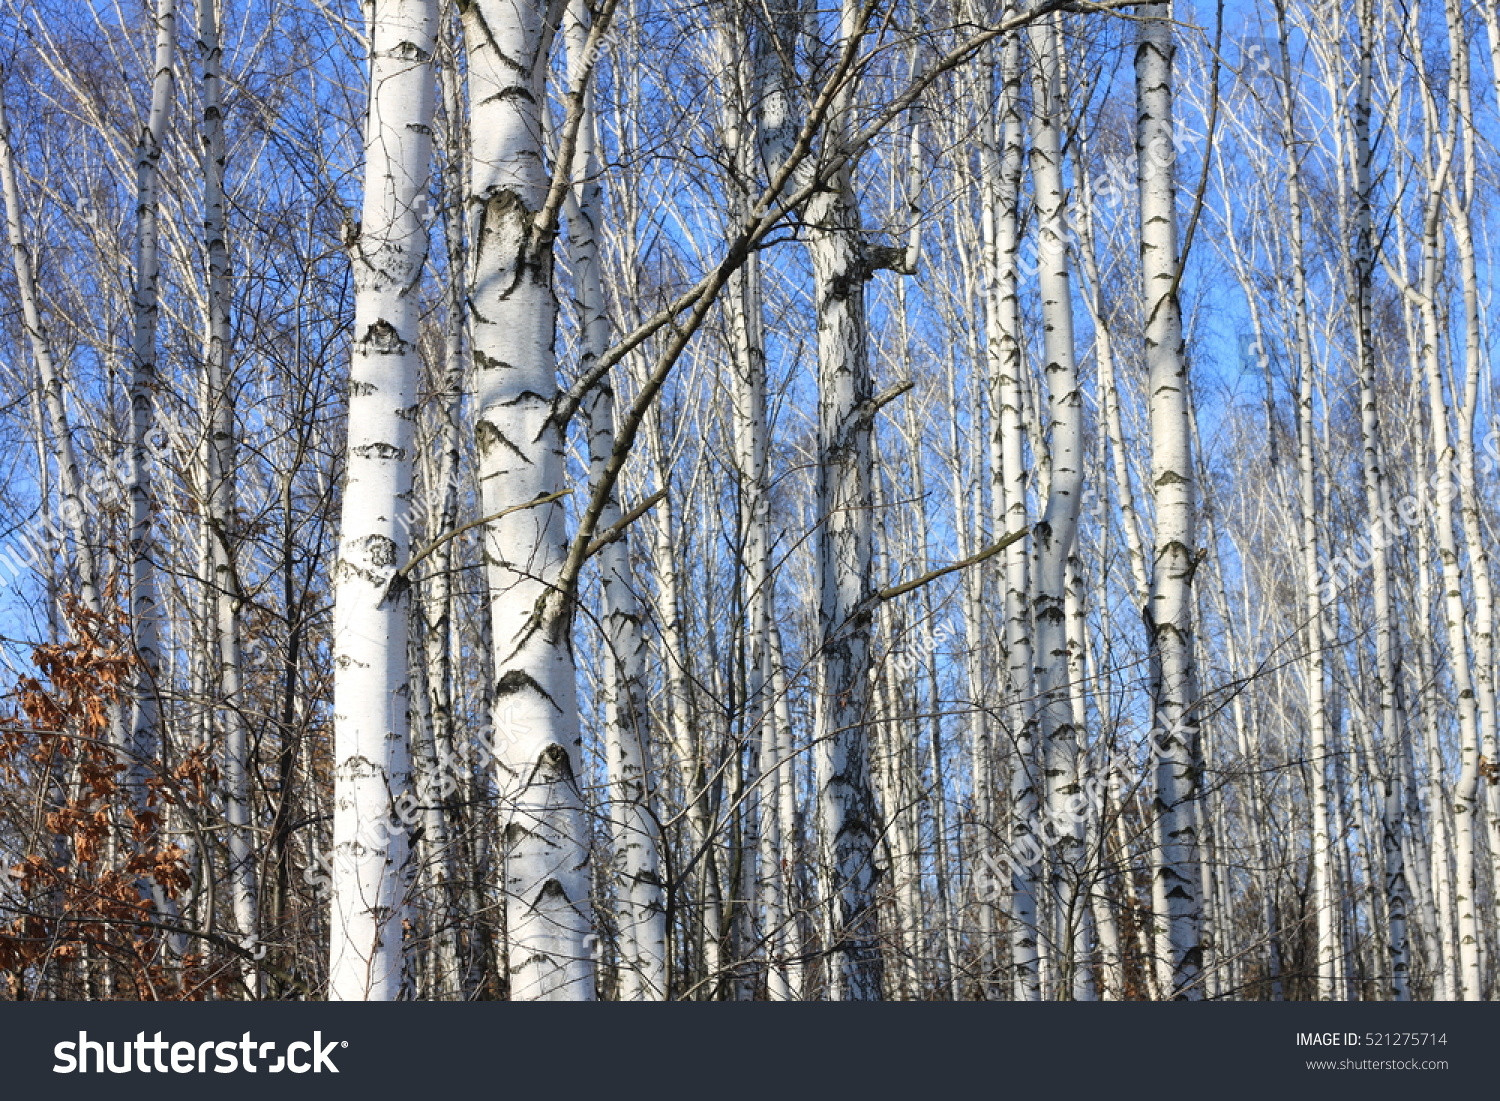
{"x": 513, "y": 309}
{"x": 1177, "y": 881}
{"x": 372, "y": 693}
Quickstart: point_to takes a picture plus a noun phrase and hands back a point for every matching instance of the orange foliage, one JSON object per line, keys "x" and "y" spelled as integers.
{"x": 85, "y": 890}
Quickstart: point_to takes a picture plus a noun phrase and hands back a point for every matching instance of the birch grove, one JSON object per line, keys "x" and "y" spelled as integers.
{"x": 749, "y": 501}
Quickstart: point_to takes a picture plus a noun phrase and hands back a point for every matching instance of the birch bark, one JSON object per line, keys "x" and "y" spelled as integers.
{"x": 218, "y": 470}
{"x": 846, "y": 804}
{"x": 1465, "y": 797}
{"x": 1459, "y": 200}
{"x": 1329, "y": 961}
{"x": 513, "y": 310}
{"x": 372, "y": 801}
{"x": 144, "y": 744}
{"x": 1177, "y": 878}
{"x": 1003, "y": 171}
{"x": 1392, "y": 720}
{"x": 1055, "y": 536}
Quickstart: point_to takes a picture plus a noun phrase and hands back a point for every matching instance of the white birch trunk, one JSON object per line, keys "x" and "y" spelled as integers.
{"x": 1057, "y": 532}
{"x": 71, "y": 508}
{"x": 513, "y": 311}
{"x": 1329, "y": 962}
{"x": 1011, "y": 476}
{"x": 1392, "y": 720}
{"x": 1444, "y": 960}
{"x": 443, "y": 819}
{"x": 1177, "y": 878}
{"x": 846, "y": 803}
{"x": 219, "y": 472}
{"x": 1459, "y": 199}
{"x": 143, "y": 747}
{"x": 372, "y": 802}
{"x": 1465, "y": 797}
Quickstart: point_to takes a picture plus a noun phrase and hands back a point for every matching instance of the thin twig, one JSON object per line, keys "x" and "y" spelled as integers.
{"x": 617, "y": 529}
{"x": 405, "y": 571}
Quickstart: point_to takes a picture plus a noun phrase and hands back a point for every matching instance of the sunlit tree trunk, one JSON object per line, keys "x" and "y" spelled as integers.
{"x": 1056, "y": 535}
{"x": 846, "y": 804}
{"x": 1392, "y": 719}
{"x": 71, "y": 506}
{"x": 1177, "y": 878}
{"x": 1464, "y": 799}
{"x": 513, "y": 312}
{"x": 218, "y": 466}
{"x": 1325, "y": 904}
{"x": 1002, "y": 170}
{"x": 1459, "y": 201}
{"x": 444, "y": 816}
{"x": 373, "y": 806}
{"x": 143, "y": 748}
